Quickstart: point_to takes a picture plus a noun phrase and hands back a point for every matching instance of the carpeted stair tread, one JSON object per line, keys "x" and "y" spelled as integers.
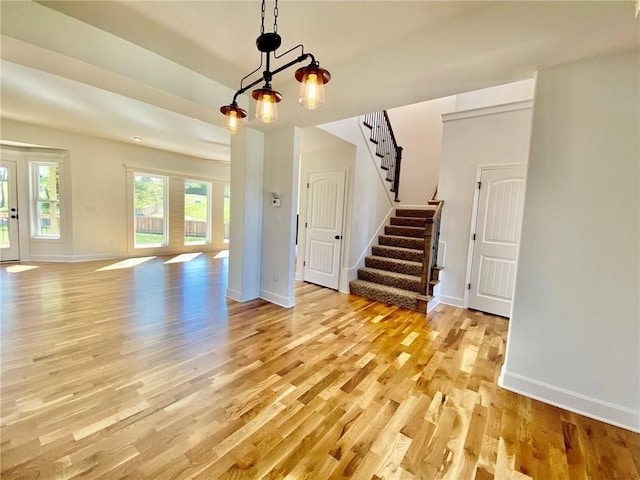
{"x": 415, "y": 212}
{"x": 394, "y": 265}
{"x": 404, "y": 231}
{"x": 397, "y": 252}
{"x": 402, "y": 242}
{"x": 384, "y": 293}
{"x": 392, "y": 279}
{"x": 408, "y": 221}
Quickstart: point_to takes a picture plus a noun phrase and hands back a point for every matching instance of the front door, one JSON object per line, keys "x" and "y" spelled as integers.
{"x": 497, "y": 238}
{"x": 9, "y": 238}
{"x": 323, "y": 245}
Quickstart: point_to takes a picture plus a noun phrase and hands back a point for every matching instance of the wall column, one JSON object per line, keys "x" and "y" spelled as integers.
{"x": 245, "y": 242}
{"x": 281, "y": 167}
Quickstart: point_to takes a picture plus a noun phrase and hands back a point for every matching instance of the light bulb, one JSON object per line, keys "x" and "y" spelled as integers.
{"x": 311, "y": 91}
{"x": 267, "y": 108}
{"x": 233, "y": 117}
{"x": 232, "y": 121}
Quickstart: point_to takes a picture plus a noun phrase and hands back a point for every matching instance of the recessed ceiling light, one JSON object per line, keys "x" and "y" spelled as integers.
{"x": 137, "y": 139}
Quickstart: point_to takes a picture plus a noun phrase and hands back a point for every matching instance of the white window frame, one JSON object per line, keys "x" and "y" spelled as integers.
{"x": 34, "y": 200}
{"x": 165, "y": 209}
{"x": 174, "y": 219}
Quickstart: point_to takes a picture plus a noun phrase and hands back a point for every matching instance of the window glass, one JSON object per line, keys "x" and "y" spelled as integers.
{"x": 47, "y": 200}
{"x": 149, "y": 214}
{"x": 196, "y": 212}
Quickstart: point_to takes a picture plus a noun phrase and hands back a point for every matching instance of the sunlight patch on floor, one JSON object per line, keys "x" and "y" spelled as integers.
{"x": 222, "y": 254}
{"x": 184, "y": 257}
{"x": 128, "y": 263}
{"x": 21, "y": 268}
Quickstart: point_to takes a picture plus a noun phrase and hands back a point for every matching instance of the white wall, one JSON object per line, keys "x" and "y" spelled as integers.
{"x": 418, "y": 130}
{"x": 487, "y": 97}
{"x": 281, "y": 167}
{"x": 372, "y": 203}
{"x": 323, "y": 152}
{"x": 574, "y": 338}
{"x": 490, "y": 136}
{"x": 245, "y": 236}
{"x": 97, "y": 179}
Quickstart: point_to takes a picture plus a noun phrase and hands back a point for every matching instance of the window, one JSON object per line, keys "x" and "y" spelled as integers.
{"x": 197, "y": 212}
{"x": 150, "y": 226}
{"x": 46, "y": 204}
{"x": 173, "y": 212}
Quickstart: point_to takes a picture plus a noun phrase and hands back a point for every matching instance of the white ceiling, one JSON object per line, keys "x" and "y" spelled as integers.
{"x": 160, "y": 70}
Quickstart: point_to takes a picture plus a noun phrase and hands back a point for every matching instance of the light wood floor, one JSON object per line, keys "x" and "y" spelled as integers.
{"x": 150, "y": 373}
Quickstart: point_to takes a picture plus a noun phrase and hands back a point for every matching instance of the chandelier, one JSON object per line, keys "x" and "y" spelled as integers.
{"x": 312, "y": 79}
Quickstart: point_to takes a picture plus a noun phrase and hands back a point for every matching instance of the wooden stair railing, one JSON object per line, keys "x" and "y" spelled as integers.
{"x": 430, "y": 269}
{"x": 387, "y": 148}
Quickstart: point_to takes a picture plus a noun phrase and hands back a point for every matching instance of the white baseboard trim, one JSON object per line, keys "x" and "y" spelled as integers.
{"x": 453, "y": 301}
{"x": 238, "y": 296}
{"x": 435, "y": 301}
{"x": 286, "y": 302}
{"x": 93, "y": 258}
{"x": 54, "y": 258}
{"x": 235, "y": 295}
{"x": 574, "y": 402}
{"x": 346, "y": 276}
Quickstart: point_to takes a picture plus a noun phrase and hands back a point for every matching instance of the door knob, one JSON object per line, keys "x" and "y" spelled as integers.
{"x": 14, "y": 216}
{"x": 338, "y": 237}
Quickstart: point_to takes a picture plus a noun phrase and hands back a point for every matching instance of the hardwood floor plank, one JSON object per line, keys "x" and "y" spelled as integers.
{"x": 151, "y": 373}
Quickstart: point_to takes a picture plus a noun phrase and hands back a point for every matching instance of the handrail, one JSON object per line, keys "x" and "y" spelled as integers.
{"x": 387, "y": 148}
{"x": 431, "y": 242}
{"x": 434, "y": 201}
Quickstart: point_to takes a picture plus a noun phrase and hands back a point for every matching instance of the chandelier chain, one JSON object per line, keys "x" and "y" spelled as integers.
{"x": 275, "y": 17}
{"x": 264, "y": 7}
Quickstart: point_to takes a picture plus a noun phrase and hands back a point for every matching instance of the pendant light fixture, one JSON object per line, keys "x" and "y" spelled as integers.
{"x": 311, "y": 77}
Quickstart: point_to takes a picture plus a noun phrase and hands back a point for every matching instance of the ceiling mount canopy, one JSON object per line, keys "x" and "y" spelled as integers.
{"x": 311, "y": 77}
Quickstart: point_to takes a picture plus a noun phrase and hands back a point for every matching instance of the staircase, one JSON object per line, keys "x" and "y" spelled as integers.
{"x": 402, "y": 269}
{"x": 395, "y": 272}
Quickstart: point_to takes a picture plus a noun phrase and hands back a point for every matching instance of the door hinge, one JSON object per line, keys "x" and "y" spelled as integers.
{"x": 468, "y": 286}
{"x": 307, "y": 184}
{"x": 474, "y": 237}
{"x": 304, "y": 263}
{"x": 305, "y": 224}
{"x": 479, "y": 185}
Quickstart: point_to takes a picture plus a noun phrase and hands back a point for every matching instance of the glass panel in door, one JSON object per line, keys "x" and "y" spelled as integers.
{"x": 9, "y": 239}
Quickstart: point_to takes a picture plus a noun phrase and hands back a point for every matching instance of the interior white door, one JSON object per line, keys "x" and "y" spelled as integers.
{"x": 497, "y": 238}
{"x": 323, "y": 240}
{"x": 9, "y": 238}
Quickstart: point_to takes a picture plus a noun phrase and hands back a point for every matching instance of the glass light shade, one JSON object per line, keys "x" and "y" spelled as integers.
{"x": 267, "y": 107}
{"x": 233, "y": 117}
{"x": 311, "y": 91}
{"x": 312, "y": 79}
{"x": 233, "y": 122}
